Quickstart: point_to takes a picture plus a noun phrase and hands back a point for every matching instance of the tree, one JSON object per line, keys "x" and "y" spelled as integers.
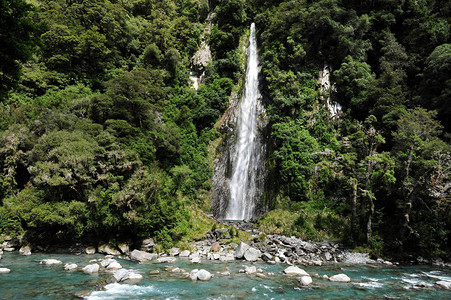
{"x": 18, "y": 39}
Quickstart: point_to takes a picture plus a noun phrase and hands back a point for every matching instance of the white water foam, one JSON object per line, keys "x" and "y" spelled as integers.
{"x": 120, "y": 291}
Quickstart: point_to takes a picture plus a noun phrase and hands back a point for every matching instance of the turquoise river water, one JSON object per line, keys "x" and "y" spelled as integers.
{"x": 30, "y": 280}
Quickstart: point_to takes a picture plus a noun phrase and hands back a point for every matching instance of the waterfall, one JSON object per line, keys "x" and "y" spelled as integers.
{"x": 246, "y": 157}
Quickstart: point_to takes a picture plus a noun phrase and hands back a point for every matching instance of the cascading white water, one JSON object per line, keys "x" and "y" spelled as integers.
{"x": 246, "y": 158}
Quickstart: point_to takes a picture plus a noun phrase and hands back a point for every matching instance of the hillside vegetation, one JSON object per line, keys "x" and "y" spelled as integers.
{"x": 102, "y": 138}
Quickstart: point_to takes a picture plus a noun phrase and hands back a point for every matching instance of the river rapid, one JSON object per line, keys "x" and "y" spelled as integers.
{"x": 30, "y": 280}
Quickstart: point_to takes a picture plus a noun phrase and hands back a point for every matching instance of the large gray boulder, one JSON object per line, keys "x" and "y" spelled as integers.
{"x": 252, "y": 254}
{"x": 142, "y": 256}
{"x": 250, "y": 269}
{"x": 25, "y": 250}
{"x": 92, "y": 268}
{"x": 184, "y": 253}
{"x": 108, "y": 249}
{"x": 114, "y": 266}
{"x": 120, "y": 275}
{"x": 174, "y": 251}
{"x": 340, "y": 278}
{"x": 241, "y": 249}
{"x": 4, "y": 270}
{"x": 203, "y": 275}
{"x": 295, "y": 271}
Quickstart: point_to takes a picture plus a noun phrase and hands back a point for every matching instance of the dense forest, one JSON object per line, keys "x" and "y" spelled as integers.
{"x": 103, "y": 138}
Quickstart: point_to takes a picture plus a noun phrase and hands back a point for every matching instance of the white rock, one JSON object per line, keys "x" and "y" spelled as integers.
{"x": 325, "y": 277}
{"x": 216, "y": 256}
{"x": 167, "y": 260}
{"x": 227, "y": 257}
{"x": 50, "y": 261}
{"x": 250, "y": 269}
{"x": 4, "y": 270}
{"x": 196, "y": 260}
{"x": 142, "y": 256}
{"x": 225, "y": 273}
{"x": 106, "y": 262}
{"x": 114, "y": 266}
{"x": 70, "y": 267}
{"x": 92, "y": 268}
{"x": 184, "y": 253}
{"x": 203, "y": 275}
{"x": 293, "y": 270}
{"x": 444, "y": 284}
{"x": 134, "y": 276}
{"x": 193, "y": 274}
{"x": 305, "y": 280}
{"x": 9, "y": 249}
{"x": 241, "y": 249}
{"x": 90, "y": 250}
{"x": 340, "y": 278}
{"x": 174, "y": 251}
{"x": 108, "y": 249}
{"x": 252, "y": 254}
{"x": 25, "y": 250}
{"x": 147, "y": 244}
{"x": 121, "y": 275}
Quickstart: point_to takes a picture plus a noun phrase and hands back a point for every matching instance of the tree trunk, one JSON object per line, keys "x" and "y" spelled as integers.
{"x": 354, "y": 209}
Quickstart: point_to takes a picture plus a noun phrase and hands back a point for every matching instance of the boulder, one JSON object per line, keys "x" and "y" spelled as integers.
{"x": 147, "y": 245}
{"x": 90, "y": 250}
{"x": 227, "y": 257}
{"x": 196, "y": 260}
{"x": 166, "y": 260}
{"x": 305, "y": 280}
{"x": 250, "y": 270}
{"x": 154, "y": 272}
{"x": 25, "y": 250}
{"x": 174, "y": 251}
{"x": 215, "y": 247}
{"x": 193, "y": 274}
{"x": 184, "y": 253}
{"x": 9, "y": 249}
{"x": 340, "y": 278}
{"x": 50, "y": 261}
{"x": 114, "y": 266}
{"x": 4, "y": 270}
{"x": 267, "y": 257}
{"x": 70, "y": 267}
{"x": 106, "y": 262}
{"x": 124, "y": 248}
{"x": 327, "y": 256}
{"x": 252, "y": 254}
{"x": 142, "y": 256}
{"x": 203, "y": 275}
{"x": 296, "y": 271}
{"x": 92, "y": 268}
{"x": 121, "y": 275}
{"x": 134, "y": 276}
{"x": 108, "y": 249}
{"x": 241, "y": 249}
{"x": 444, "y": 284}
